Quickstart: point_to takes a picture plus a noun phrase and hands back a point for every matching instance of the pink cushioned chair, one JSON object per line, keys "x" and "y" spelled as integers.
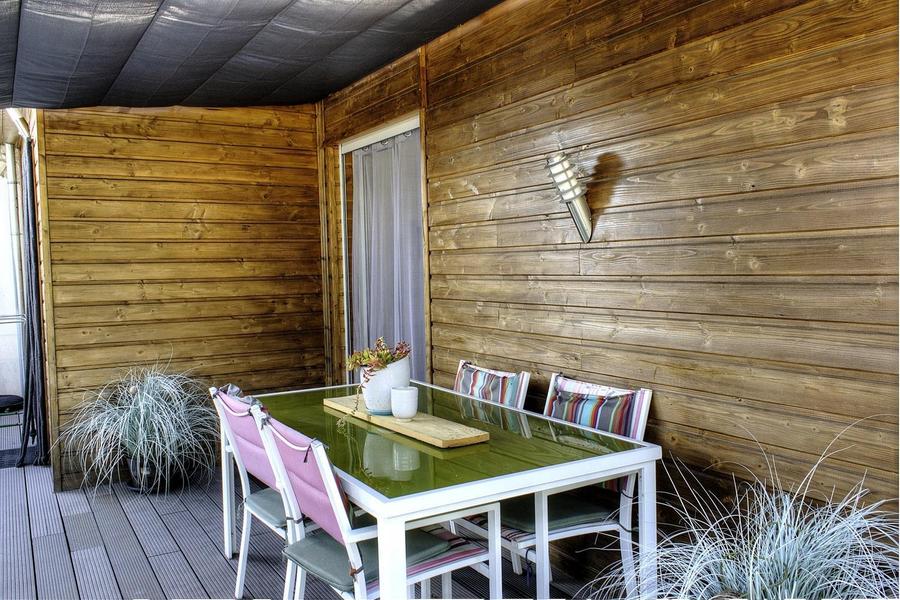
{"x": 241, "y": 438}
{"x": 344, "y": 557}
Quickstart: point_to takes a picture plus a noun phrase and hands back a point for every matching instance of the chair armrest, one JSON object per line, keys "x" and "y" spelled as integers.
{"x": 456, "y": 514}
{"x": 363, "y": 533}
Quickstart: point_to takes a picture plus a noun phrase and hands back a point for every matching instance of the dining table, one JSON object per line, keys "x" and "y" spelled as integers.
{"x": 399, "y": 480}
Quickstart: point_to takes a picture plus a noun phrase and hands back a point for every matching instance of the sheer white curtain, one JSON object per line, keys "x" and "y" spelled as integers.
{"x": 388, "y": 294}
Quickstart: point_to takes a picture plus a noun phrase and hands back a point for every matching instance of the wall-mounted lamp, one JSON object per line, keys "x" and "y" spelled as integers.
{"x": 571, "y": 193}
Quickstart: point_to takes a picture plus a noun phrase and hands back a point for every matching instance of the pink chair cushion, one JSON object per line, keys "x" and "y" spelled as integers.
{"x": 248, "y": 444}
{"x": 306, "y": 479}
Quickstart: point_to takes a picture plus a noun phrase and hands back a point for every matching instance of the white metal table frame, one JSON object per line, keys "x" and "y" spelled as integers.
{"x": 394, "y": 515}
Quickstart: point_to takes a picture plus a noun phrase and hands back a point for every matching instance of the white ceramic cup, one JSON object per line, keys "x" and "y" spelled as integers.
{"x": 404, "y": 402}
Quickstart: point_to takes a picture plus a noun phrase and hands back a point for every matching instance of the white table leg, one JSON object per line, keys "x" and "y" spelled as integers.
{"x": 392, "y": 558}
{"x": 495, "y": 562}
{"x": 647, "y": 530}
{"x": 228, "y": 516}
{"x": 542, "y": 545}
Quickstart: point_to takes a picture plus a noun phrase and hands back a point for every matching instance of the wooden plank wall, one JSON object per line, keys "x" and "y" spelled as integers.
{"x": 741, "y": 160}
{"x": 188, "y": 237}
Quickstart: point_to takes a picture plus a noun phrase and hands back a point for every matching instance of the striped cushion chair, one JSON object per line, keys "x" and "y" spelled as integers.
{"x": 497, "y": 387}
{"x": 623, "y": 412}
{"x": 500, "y": 387}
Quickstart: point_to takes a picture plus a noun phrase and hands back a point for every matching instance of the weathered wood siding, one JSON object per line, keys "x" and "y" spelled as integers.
{"x": 741, "y": 160}
{"x": 186, "y": 237}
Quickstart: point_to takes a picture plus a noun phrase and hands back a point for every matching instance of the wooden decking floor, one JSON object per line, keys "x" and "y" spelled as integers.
{"x": 113, "y": 543}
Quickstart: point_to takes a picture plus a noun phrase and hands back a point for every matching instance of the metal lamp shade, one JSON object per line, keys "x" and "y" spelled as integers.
{"x": 571, "y": 193}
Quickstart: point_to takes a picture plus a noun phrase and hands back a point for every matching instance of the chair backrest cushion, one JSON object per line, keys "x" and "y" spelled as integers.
{"x": 500, "y": 387}
{"x": 615, "y": 410}
{"x": 244, "y": 437}
{"x": 304, "y": 473}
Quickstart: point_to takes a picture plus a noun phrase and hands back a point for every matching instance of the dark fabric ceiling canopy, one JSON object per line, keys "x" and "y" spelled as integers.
{"x": 70, "y": 53}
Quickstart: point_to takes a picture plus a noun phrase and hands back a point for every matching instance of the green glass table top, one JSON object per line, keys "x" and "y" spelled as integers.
{"x": 396, "y": 465}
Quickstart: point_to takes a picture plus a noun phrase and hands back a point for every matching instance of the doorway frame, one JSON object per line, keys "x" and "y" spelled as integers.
{"x": 407, "y": 122}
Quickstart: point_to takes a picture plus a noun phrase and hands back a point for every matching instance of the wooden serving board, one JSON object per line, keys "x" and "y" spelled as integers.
{"x": 425, "y": 428}
{"x": 441, "y": 453}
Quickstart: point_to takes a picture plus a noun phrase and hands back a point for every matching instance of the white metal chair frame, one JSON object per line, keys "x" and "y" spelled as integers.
{"x": 524, "y": 379}
{"x": 295, "y": 581}
{"x": 621, "y": 523}
{"x": 228, "y": 442}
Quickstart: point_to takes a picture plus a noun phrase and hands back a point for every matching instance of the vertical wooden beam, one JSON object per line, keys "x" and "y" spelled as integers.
{"x": 324, "y": 230}
{"x": 339, "y": 347}
{"x": 48, "y": 320}
{"x": 426, "y": 262}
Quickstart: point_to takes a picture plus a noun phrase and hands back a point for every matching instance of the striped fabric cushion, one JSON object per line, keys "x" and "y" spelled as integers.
{"x": 494, "y": 386}
{"x": 601, "y": 407}
{"x": 459, "y": 549}
{"x": 508, "y": 533}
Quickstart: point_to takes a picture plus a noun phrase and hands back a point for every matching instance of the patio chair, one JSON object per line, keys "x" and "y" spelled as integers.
{"x": 240, "y": 432}
{"x": 346, "y": 557}
{"x": 500, "y": 387}
{"x": 608, "y": 509}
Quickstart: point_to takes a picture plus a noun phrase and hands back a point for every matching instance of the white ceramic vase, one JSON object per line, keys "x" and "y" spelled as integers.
{"x": 377, "y": 390}
{"x": 378, "y": 455}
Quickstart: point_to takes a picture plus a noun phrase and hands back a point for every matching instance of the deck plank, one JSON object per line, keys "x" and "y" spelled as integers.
{"x": 206, "y": 508}
{"x": 130, "y": 565}
{"x": 146, "y": 522}
{"x": 211, "y": 568}
{"x": 16, "y": 565}
{"x": 93, "y": 570}
{"x": 167, "y": 503}
{"x": 94, "y": 574}
{"x": 176, "y": 576}
{"x": 213, "y": 491}
{"x": 81, "y": 532}
{"x": 43, "y": 510}
{"x": 73, "y": 502}
{"x": 55, "y": 577}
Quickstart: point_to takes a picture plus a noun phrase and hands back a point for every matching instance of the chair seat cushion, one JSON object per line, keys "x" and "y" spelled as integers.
{"x": 326, "y": 558}
{"x": 9, "y": 402}
{"x": 566, "y": 509}
{"x": 267, "y": 505}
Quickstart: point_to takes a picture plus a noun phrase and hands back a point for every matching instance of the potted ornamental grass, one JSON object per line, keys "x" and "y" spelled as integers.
{"x": 161, "y": 427}
{"x": 769, "y": 543}
{"x": 381, "y": 368}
